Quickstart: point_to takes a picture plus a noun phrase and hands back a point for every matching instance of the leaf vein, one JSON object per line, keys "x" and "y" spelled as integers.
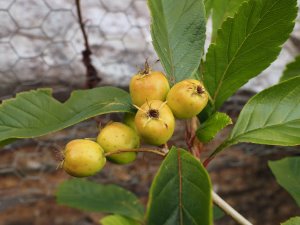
{"x": 238, "y": 49}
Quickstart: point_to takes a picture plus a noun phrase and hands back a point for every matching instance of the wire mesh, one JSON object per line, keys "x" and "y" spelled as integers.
{"x": 41, "y": 43}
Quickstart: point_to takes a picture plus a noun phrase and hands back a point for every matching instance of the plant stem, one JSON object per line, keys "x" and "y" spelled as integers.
{"x": 229, "y": 210}
{"x": 155, "y": 151}
{"x": 194, "y": 145}
{"x": 92, "y": 78}
{"x": 220, "y": 148}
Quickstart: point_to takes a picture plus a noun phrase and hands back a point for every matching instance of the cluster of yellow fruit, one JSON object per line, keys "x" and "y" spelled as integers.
{"x": 84, "y": 157}
{"x": 157, "y": 107}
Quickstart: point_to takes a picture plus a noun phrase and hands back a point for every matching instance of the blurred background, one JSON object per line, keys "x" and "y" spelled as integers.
{"x": 40, "y": 46}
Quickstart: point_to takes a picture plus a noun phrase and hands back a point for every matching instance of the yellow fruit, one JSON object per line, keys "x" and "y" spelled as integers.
{"x": 83, "y": 158}
{"x": 155, "y": 122}
{"x": 187, "y": 98}
{"x": 118, "y": 136}
{"x": 148, "y": 85}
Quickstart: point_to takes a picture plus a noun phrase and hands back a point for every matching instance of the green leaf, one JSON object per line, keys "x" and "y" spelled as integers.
{"x": 117, "y": 220}
{"x": 271, "y": 117}
{"x": 7, "y": 141}
{"x": 35, "y": 113}
{"x": 93, "y": 197}
{"x": 208, "y": 7}
{"x": 181, "y": 192}
{"x": 209, "y": 129}
{"x": 217, "y": 212}
{"x": 292, "y": 70}
{"x": 178, "y": 34}
{"x": 287, "y": 173}
{"x": 292, "y": 221}
{"x": 220, "y": 10}
{"x": 246, "y": 45}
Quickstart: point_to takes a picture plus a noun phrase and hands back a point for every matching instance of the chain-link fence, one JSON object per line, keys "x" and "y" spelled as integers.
{"x": 40, "y": 46}
{"x": 41, "y": 42}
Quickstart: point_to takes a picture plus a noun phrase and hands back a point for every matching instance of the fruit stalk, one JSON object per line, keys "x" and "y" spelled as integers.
{"x": 194, "y": 145}
{"x": 229, "y": 210}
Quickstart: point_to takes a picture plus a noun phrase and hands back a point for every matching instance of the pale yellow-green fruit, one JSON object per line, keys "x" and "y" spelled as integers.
{"x": 150, "y": 86}
{"x": 187, "y": 98}
{"x": 155, "y": 122}
{"x": 83, "y": 158}
{"x": 129, "y": 120}
{"x": 117, "y": 136}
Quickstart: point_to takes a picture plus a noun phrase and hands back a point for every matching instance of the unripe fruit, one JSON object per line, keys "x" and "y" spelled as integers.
{"x": 148, "y": 85}
{"x": 155, "y": 122}
{"x": 83, "y": 158}
{"x": 117, "y": 136}
{"x": 187, "y": 98}
{"x": 129, "y": 120}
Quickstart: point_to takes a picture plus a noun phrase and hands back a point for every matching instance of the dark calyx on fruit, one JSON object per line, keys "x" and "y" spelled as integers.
{"x": 146, "y": 70}
{"x": 200, "y": 90}
{"x": 153, "y": 113}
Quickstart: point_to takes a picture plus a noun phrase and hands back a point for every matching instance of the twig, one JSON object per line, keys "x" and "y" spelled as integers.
{"x": 229, "y": 210}
{"x": 92, "y": 78}
{"x": 224, "y": 145}
{"x": 155, "y": 151}
{"x": 207, "y": 161}
{"x": 194, "y": 145}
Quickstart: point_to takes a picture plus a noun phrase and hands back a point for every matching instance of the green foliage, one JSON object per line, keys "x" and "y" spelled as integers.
{"x": 209, "y": 129}
{"x": 178, "y": 34}
{"x": 246, "y": 45}
{"x": 7, "y": 142}
{"x": 220, "y": 10}
{"x": 89, "y": 196}
{"x": 287, "y": 173}
{"x": 180, "y": 192}
{"x": 271, "y": 117}
{"x": 292, "y": 70}
{"x": 117, "y": 220}
{"x": 35, "y": 113}
{"x": 292, "y": 221}
{"x": 217, "y": 213}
